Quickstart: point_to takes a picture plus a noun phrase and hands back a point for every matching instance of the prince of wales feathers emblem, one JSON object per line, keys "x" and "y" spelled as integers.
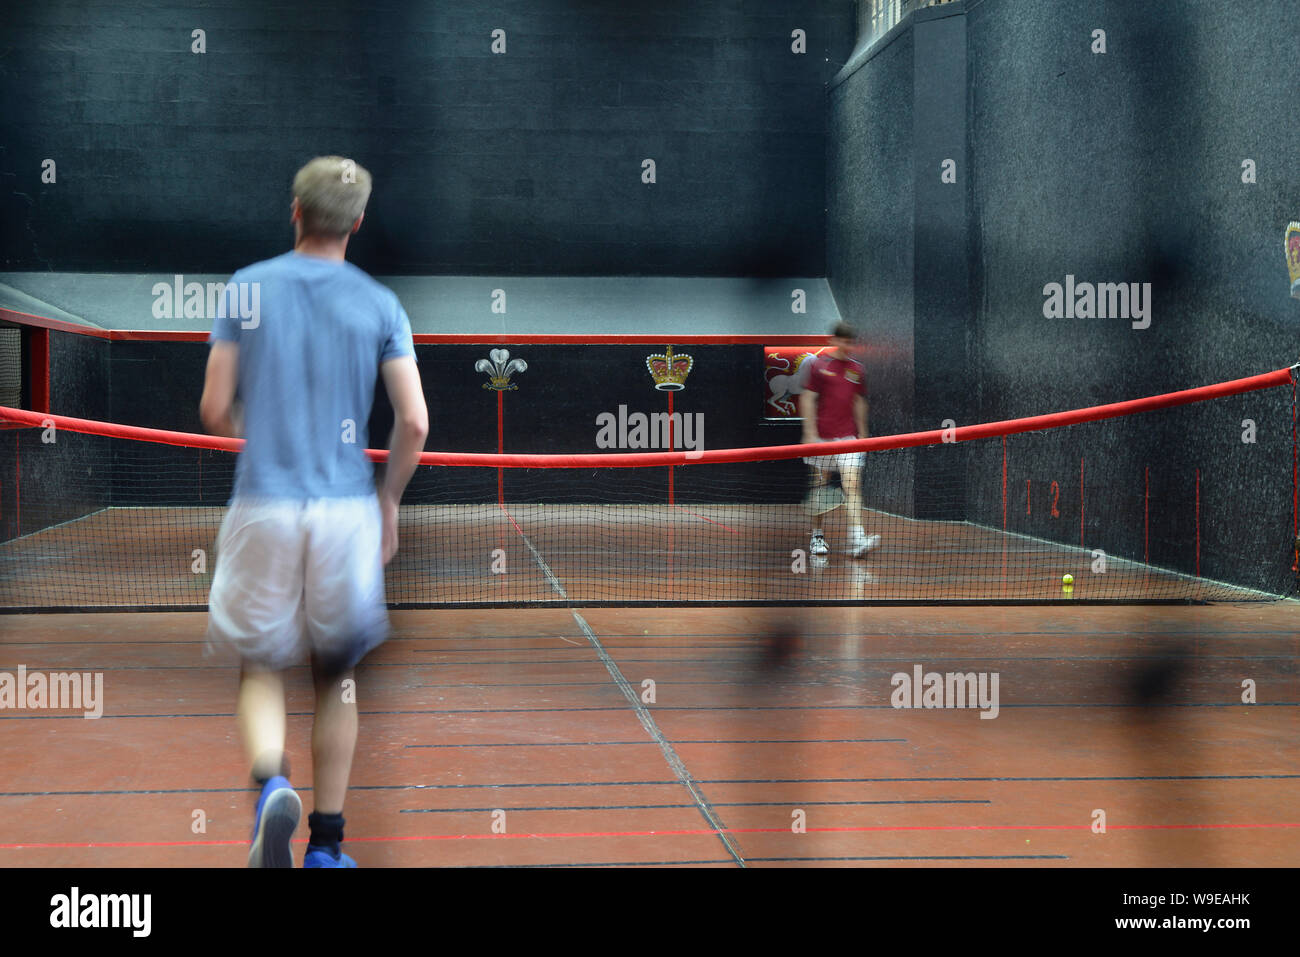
{"x": 500, "y": 367}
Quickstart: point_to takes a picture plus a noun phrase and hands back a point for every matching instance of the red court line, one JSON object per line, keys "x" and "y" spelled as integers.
{"x": 688, "y": 832}
{"x": 703, "y": 519}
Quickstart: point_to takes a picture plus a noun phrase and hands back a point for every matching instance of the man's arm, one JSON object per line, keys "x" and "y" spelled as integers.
{"x": 860, "y": 414}
{"x": 217, "y": 406}
{"x": 410, "y": 429}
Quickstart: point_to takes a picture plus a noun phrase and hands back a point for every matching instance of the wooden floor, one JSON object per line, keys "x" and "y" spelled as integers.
{"x": 758, "y": 716}
{"x": 461, "y": 554}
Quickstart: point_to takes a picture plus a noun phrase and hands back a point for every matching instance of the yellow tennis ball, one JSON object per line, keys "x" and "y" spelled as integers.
{"x": 1067, "y": 579}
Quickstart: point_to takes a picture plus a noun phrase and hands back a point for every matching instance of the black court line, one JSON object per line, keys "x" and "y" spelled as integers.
{"x": 702, "y": 707}
{"x": 1136, "y": 633}
{"x": 643, "y": 715}
{"x": 724, "y": 860}
{"x": 571, "y": 603}
{"x": 938, "y": 662}
{"x": 651, "y": 807}
{"x": 820, "y": 661}
{"x": 668, "y": 783}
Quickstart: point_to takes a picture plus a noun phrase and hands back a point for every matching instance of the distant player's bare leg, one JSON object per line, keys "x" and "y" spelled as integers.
{"x": 859, "y": 541}
{"x": 851, "y": 479}
{"x": 333, "y": 737}
{"x": 817, "y": 478}
{"x": 262, "y": 719}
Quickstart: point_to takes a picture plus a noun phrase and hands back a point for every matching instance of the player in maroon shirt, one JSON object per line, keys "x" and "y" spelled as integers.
{"x": 834, "y": 406}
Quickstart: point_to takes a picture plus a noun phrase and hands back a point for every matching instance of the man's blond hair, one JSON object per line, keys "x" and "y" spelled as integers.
{"x": 332, "y": 192}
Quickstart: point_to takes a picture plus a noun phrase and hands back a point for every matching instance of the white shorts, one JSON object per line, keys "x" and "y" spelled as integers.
{"x": 294, "y": 578}
{"x": 837, "y": 463}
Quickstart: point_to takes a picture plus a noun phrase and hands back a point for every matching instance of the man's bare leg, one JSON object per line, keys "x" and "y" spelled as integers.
{"x": 817, "y": 479}
{"x": 859, "y": 542}
{"x": 333, "y": 743}
{"x": 333, "y": 737}
{"x": 262, "y": 719}
{"x": 262, "y": 727}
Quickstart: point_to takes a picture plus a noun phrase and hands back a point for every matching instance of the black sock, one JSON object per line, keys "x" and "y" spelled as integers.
{"x": 326, "y": 831}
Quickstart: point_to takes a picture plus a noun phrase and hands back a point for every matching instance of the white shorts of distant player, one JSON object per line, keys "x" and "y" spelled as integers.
{"x": 837, "y": 463}
{"x": 294, "y": 578}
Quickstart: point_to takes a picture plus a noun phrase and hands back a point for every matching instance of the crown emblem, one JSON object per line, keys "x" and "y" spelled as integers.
{"x": 1293, "y": 257}
{"x": 500, "y": 367}
{"x": 669, "y": 371}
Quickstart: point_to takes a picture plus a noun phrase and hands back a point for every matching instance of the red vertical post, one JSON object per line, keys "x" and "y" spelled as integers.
{"x": 1027, "y": 481}
{"x": 1004, "y": 483}
{"x": 671, "y": 445}
{"x": 501, "y": 495}
{"x": 671, "y": 496}
{"x": 1004, "y": 515}
{"x": 1198, "y": 523}
{"x": 18, "y": 488}
{"x": 1146, "y": 518}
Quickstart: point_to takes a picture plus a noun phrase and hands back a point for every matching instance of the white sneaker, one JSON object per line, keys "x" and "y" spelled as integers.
{"x": 865, "y": 545}
{"x": 819, "y": 546}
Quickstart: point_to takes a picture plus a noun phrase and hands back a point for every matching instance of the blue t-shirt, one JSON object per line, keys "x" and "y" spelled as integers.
{"x": 311, "y": 334}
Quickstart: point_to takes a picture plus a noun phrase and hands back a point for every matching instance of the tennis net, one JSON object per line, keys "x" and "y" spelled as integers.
{"x": 102, "y": 516}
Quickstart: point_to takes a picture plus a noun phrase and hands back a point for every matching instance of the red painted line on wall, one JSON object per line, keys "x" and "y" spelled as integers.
{"x": 435, "y": 338}
{"x": 1081, "y": 545}
{"x": 41, "y": 322}
{"x": 1146, "y": 518}
{"x": 1198, "y": 523}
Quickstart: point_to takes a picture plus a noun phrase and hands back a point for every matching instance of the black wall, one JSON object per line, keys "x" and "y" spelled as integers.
{"x": 871, "y": 244}
{"x": 1127, "y": 167}
{"x": 553, "y": 410}
{"x": 523, "y": 163}
{"x": 897, "y": 247}
{"x": 43, "y": 483}
{"x": 1117, "y": 167}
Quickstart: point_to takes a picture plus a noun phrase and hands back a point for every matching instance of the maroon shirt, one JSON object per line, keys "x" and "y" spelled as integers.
{"x": 836, "y": 382}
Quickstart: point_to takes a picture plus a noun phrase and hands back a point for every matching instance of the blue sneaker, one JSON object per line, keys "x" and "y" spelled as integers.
{"x": 320, "y": 857}
{"x": 278, "y": 811}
